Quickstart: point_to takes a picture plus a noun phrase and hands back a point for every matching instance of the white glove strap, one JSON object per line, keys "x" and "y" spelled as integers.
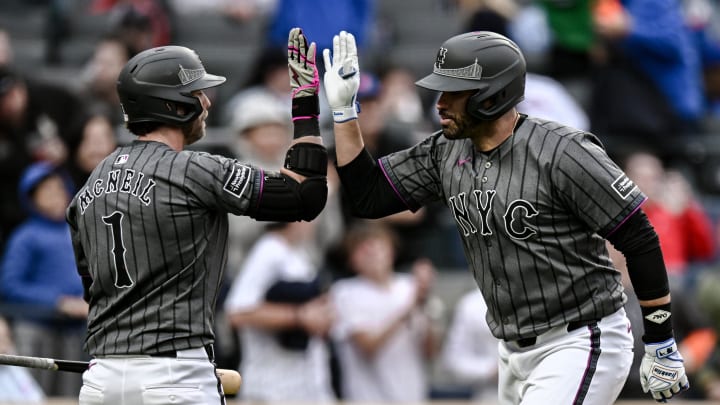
{"x": 344, "y": 114}
{"x": 661, "y": 349}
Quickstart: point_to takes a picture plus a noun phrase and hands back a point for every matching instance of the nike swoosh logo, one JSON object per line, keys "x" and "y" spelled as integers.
{"x": 463, "y": 161}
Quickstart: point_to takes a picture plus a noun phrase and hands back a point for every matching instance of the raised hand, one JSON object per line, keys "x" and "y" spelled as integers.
{"x": 304, "y": 77}
{"x": 342, "y": 77}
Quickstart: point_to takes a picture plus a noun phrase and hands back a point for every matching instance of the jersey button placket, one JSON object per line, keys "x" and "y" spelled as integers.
{"x": 486, "y": 166}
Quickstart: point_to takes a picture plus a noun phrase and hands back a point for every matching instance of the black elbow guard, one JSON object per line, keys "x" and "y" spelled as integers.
{"x": 308, "y": 159}
{"x": 284, "y": 199}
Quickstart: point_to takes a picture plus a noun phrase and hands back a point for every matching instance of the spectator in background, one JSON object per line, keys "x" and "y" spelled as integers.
{"x": 470, "y": 352}
{"x": 400, "y": 99}
{"x": 573, "y": 47}
{"x": 547, "y": 98}
{"x": 683, "y": 226}
{"x": 242, "y": 11}
{"x": 702, "y": 17}
{"x": 142, "y": 24}
{"x": 96, "y": 141}
{"x": 14, "y": 154}
{"x": 649, "y": 85}
{"x": 708, "y": 376}
{"x": 322, "y": 20}
{"x": 382, "y": 335}
{"x": 261, "y": 126}
{"x": 17, "y": 386}
{"x": 38, "y": 277}
{"x": 99, "y": 77}
{"x": 269, "y": 76}
{"x": 6, "y": 50}
{"x": 381, "y": 134}
{"x": 277, "y": 305}
{"x": 37, "y": 121}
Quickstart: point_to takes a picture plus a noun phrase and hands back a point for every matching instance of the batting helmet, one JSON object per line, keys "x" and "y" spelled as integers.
{"x": 158, "y": 76}
{"x": 482, "y": 60}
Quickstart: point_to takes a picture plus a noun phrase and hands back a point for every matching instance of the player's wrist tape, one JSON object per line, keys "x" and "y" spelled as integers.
{"x": 347, "y": 113}
{"x": 662, "y": 349}
{"x": 307, "y": 159}
{"x": 305, "y": 111}
{"x": 657, "y": 322}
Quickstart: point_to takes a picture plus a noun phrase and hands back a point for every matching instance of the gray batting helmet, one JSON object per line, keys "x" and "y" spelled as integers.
{"x": 482, "y": 60}
{"x": 157, "y": 76}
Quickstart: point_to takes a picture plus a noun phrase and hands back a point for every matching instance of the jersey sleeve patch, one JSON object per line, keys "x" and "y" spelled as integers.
{"x": 238, "y": 180}
{"x": 623, "y": 186}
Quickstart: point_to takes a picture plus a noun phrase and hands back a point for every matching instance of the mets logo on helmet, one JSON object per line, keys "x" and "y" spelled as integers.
{"x": 440, "y": 57}
{"x": 188, "y": 76}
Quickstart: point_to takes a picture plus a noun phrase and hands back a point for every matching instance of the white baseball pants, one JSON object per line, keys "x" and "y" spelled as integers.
{"x": 188, "y": 379}
{"x": 588, "y": 365}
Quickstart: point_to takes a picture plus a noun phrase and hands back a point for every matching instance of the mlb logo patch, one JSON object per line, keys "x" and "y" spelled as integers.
{"x": 121, "y": 160}
{"x": 623, "y": 186}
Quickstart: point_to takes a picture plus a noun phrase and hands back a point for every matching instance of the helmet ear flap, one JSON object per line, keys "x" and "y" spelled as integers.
{"x": 490, "y": 107}
{"x": 475, "y": 104}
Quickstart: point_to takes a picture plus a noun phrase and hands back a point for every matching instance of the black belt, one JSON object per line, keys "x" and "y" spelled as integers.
{"x": 173, "y": 353}
{"x": 574, "y": 325}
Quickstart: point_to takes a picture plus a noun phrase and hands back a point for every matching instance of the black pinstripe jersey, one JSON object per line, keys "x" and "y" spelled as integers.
{"x": 533, "y": 214}
{"x": 150, "y": 228}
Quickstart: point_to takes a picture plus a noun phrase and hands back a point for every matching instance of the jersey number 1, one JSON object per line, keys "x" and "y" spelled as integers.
{"x": 122, "y": 276}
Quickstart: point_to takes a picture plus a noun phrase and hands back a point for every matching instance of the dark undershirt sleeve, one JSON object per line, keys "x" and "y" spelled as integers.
{"x": 370, "y": 193}
{"x": 637, "y": 241}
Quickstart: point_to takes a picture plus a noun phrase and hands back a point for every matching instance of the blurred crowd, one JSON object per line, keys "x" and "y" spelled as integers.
{"x": 376, "y": 323}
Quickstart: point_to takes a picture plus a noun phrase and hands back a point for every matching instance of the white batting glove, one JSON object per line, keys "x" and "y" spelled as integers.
{"x": 662, "y": 372}
{"x": 304, "y": 77}
{"x": 342, "y": 77}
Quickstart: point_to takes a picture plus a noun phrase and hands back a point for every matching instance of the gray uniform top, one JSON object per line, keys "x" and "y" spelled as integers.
{"x": 150, "y": 228}
{"x": 532, "y": 214}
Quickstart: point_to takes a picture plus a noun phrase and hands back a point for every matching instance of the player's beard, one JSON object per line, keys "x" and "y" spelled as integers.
{"x": 460, "y": 126}
{"x": 194, "y": 131}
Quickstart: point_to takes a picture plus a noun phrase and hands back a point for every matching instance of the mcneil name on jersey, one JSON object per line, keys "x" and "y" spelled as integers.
{"x": 126, "y": 181}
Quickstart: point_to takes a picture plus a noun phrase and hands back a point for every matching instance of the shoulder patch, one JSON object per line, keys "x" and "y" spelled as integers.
{"x": 237, "y": 180}
{"x": 623, "y": 186}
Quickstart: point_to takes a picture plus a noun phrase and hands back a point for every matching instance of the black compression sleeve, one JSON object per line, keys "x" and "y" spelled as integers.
{"x": 637, "y": 241}
{"x": 371, "y": 194}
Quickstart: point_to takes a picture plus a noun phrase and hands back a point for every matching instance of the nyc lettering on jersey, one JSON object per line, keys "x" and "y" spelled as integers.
{"x": 126, "y": 181}
{"x": 516, "y": 212}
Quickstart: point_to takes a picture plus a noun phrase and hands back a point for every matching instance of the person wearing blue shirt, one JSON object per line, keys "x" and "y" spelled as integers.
{"x": 39, "y": 285}
{"x": 653, "y": 38}
{"x": 321, "y": 20}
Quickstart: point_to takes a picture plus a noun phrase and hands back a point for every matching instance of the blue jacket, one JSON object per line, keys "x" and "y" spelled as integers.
{"x": 662, "y": 45}
{"x": 38, "y": 264}
{"x": 321, "y": 20}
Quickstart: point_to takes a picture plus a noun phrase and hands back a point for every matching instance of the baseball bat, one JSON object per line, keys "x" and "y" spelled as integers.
{"x": 230, "y": 379}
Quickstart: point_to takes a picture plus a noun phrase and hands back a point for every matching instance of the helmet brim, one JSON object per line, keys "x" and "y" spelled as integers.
{"x": 206, "y": 82}
{"x": 437, "y": 82}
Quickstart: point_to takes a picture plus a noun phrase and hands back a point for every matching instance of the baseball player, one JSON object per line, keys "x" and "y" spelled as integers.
{"x": 150, "y": 227}
{"x": 534, "y": 201}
